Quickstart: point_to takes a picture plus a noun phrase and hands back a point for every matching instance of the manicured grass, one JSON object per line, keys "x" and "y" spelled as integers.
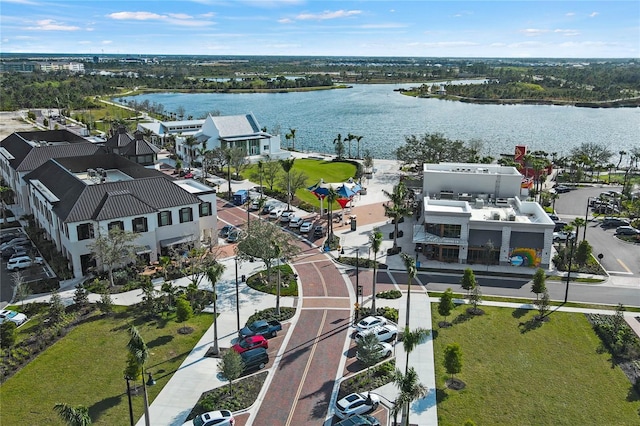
{"x": 86, "y": 368}
{"x": 330, "y": 171}
{"x": 552, "y": 374}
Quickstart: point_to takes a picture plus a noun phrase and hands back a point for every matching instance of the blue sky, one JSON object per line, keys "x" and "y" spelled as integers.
{"x": 559, "y": 29}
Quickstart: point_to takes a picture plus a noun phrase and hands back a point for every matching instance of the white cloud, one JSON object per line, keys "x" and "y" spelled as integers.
{"x": 27, "y": 2}
{"x": 106, "y": 42}
{"x": 445, "y": 44}
{"x": 135, "y": 16}
{"x": 568, "y": 33}
{"x": 285, "y": 21}
{"x": 327, "y": 15}
{"x": 51, "y": 25}
{"x": 533, "y": 32}
{"x": 570, "y": 14}
{"x": 382, "y": 26}
{"x": 593, "y": 14}
{"x": 179, "y": 16}
{"x": 207, "y": 15}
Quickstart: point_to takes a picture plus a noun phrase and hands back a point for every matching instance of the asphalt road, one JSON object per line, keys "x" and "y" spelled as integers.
{"x": 620, "y": 258}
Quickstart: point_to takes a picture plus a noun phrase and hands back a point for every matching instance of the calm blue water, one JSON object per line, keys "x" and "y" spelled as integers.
{"x": 384, "y": 117}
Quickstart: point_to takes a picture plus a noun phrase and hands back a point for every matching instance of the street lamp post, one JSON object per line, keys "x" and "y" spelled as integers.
{"x": 586, "y": 219}
{"x": 237, "y": 296}
{"x": 566, "y": 291}
{"x": 131, "y": 420}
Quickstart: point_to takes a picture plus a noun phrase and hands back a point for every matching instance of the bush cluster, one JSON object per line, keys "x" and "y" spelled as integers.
{"x": 362, "y": 382}
{"x": 286, "y": 313}
{"x": 389, "y": 294}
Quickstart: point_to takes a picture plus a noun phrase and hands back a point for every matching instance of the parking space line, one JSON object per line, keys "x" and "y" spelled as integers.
{"x": 624, "y": 266}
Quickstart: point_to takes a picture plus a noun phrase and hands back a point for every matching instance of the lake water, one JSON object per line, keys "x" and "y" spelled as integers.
{"x": 384, "y": 117}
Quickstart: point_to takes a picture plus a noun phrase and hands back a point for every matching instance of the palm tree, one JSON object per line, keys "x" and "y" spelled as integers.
{"x": 339, "y": 146}
{"x": 73, "y": 416}
{"x": 278, "y": 254}
{"x": 410, "y": 266}
{"x": 410, "y": 390}
{"x": 349, "y": 138}
{"x": 287, "y": 165}
{"x": 332, "y": 195}
{"x": 398, "y": 208}
{"x": 292, "y": 132}
{"x": 139, "y": 351}
{"x": 358, "y": 139}
{"x": 288, "y": 138}
{"x": 190, "y": 142}
{"x": 578, "y": 222}
{"x": 375, "y": 238}
{"x": 213, "y": 273}
{"x": 410, "y": 340}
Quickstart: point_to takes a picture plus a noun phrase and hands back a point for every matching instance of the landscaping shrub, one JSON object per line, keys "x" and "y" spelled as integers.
{"x": 286, "y": 313}
{"x": 184, "y": 311}
{"x": 389, "y": 294}
{"x": 362, "y": 261}
{"x": 362, "y": 382}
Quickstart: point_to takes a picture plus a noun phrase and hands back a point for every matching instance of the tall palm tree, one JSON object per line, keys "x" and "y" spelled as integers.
{"x": 398, "y": 207}
{"x": 375, "y": 238}
{"x": 213, "y": 273}
{"x": 331, "y": 196}
{"x": 190, "y": 142}
{"x": 410, "y": 390}
{"x": 337, "y": 142}
{"x": 73, "y": 416}
{"x": 292, "y": 132}
{"x": 349, "y": 138}
{"x": 412, "y": 271}
{"x": 578, "y": 222}
{"x": 287, "y": 165}
{"x": 140, "y": 352}
{"x": 410, "y": 340}
{"x": 358, "y": 139}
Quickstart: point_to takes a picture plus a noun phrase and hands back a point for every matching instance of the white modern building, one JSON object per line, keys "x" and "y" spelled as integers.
{"x": 234, "y": 131}
{"x": 76, "y": 199}
{"x": 472, "y": 213}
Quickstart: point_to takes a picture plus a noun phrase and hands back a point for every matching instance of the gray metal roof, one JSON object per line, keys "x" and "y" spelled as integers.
{"x": 236, "y": 125}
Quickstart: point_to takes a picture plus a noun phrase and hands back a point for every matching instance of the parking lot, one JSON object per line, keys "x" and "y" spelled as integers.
{"x": 618, "y": 257}
{"x": 30, "y": 274}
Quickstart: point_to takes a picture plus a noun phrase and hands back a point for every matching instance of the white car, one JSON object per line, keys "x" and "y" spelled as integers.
{"x": 564, "y": 236}
{"x": 285, "y": 216}
{"x": 356, "y": 403}
{"x": 295, "y": 221}
{"x": 370, "y": 322}
{"x": 382, "y": 332}
{"x": 275, "y": 213}
{"x": 13, "y": 316}
{"x": 306, "y": 227}
{"x": 20, "y": 262}
{"x": 385, "y": 351}
{"x": 213, "y": 418}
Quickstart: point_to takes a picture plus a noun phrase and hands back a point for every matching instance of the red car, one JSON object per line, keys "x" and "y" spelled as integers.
{"x": 250, "y": 342}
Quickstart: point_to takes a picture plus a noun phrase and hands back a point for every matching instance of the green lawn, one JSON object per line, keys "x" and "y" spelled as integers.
{"x": 86, "y": 368}
{"x": 330, "y": 171}
{"x": 549, "y": 375}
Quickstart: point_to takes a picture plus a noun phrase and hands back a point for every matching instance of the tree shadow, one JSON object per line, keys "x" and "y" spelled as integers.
{"x": 321, "y": 407}
{"x": 519, "y": 313}
{"x": 632, "y": 395}
{"x": 464, "y": 317}
{"x": 159, "y": 341}
{"x": 441, "y": 395}
{"x": 96, "y": 410}
{"x": 530, "y": 325}
{"x": 434, "y": 334}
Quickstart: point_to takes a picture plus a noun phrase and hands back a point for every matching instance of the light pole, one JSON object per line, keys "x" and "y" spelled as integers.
{"x": 127, "y": 378}
{"x": 237, "y": 296}
{"x": 566, "y": 291}
{"x": 586, "y": 219}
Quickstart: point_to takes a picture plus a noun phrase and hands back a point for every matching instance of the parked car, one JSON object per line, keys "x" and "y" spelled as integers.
{"x": 306, "y": 227}
{"x": 254, "y": 359}
{"x": 295, "y": 221}
{"x": 13, "y": 250}
{"x": 382, "y": 332}
{"x": 627, "y": 230}
{"x": 15, "y": 242}
{"x": 553, "y": 217}
{"x": 318, "y": 231}
{"x": 370, "y": 322}
{"x": 285, "y": 216}
{"x": 606, "y": 208}
{"x": 249, "y": 343}
{"x": 559, "y": 226}
{"x": 20, "y": 262}
{"x": 8, "y": 236}
{"x": 561, "y": 189}
{"x": 385, "y": 351}
{"x": 261, "y": 328}
{"x": 234, "y": 235}
{"x": 359, "y": 420}
{"x": 16, "y": 317}
{"x": 614, "y": 222}
{"x": 564, "y": 236}
{"x": 356, "y": 403}
{"x": 225, "y": 230}
{"x": 275, "y": 213}
{"x": 213, "y": 418}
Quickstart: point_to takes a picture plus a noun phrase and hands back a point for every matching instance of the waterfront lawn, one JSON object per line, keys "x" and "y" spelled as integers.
{"x": 330, "y": 171}
{"x": 519, "y": 372}
{"x": 86, "y": 368}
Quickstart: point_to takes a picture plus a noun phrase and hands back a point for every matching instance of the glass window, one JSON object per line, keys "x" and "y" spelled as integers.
{"x": 186, "y": 215}
{"x": 205, "y": 209}
{"x": 139, "y": 224}
{"x": 452, "y": 231}
{"x": 118, "y": 224}
{"x": 164, "y": 218}
{"x": 85, "y": 231}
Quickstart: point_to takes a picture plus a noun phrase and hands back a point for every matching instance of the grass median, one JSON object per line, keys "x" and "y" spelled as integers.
{"x": 86, "y": 367}
{"x": 518, "y": 371}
